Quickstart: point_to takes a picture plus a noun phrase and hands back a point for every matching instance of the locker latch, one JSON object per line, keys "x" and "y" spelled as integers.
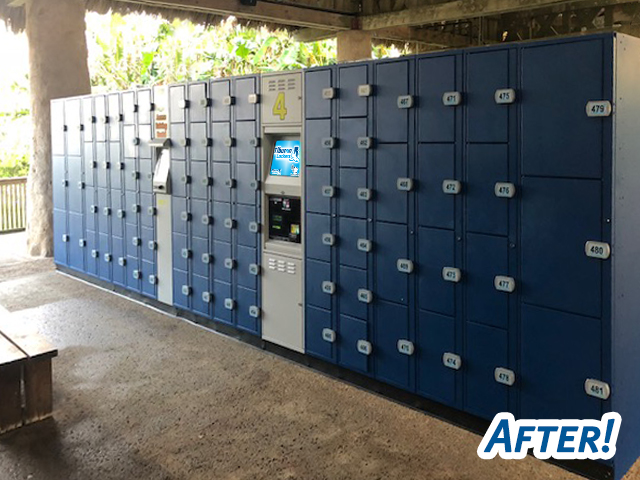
{"x": 185, "y": 253}
{"x": 254, "y": 227}
{"x": 328, "y": 239}
{"x": 328, "y": 93}
{"x": 597, "y": 388}
{"x": 365, "y": 90}
{"x": 229, "y": 142}
{"x": 505, "y": 96}
{"x": 599, "y": 108}
{"x": 82, "y": 243}
{"x": 451, "y": 187}
{"x": 364, "y": 245}
{"x": 451, "y": 99}
{"x": 186, "y": 290}
{"x": 253, "y": 98}
{"x": 599, "y": 250}
{"x": 254, "y": 269}
{"x": 136, "y": 274}
{"x": 230, "y": 183}
{"x": 94, "y": 253}
{"x": 365, "y": 143}
{"x": 364, "y": 347}
{"x": 504, "y": 284}
{"x": 229, "y": 303}
{"x": 122, "y": 261}
{"x": 451, "y": 274}
{"x": 451, "y": 360}
{"x": 504, "y": 190}
{"x": 328, "y": 191}
{"x": 404, "y": 184}
{"x": 328, "y": 142}
{"x": 404, "y": 265}
{"x": 229, "y": 223}
{"x": 228, "y": 100}
{"x": 328, "y": 287}
{"x": 229, "y": 263}
{"x": 328, "y": 335}
{"x": 504, "y": 376}
{"x": 206, "y": 297}
{"x": 254, "y": 311}
{"x": 185, "y": 216}
{"x": 65, "y": 238}
{"x": 364, "y": 194}
{"x": 205, "y": 258}
{"x": 206, "y": 220}
{"x": 153, "y": 280}
{"x": 405, "y": 101}
{"x": 364, "y": 295}
{"x": 108, "y": 257}
{"x": 405, "y": 347}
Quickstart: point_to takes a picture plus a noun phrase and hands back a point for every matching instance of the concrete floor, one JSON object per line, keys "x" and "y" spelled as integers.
{"x": 142, "y": 395}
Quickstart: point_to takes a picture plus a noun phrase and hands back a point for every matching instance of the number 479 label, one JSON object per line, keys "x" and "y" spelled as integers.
{"x": 600, "y": 108}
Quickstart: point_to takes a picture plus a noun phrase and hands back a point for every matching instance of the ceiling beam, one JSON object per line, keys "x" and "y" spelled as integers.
{"x": 261, "y": 12}
{"x": 463, "y": 10}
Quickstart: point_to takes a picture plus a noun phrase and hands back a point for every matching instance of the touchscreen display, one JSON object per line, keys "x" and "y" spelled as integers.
{"x": 286, "y": 158}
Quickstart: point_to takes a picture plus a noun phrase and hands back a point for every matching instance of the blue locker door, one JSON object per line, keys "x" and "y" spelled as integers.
{"x": 147, "y": 249}
{"x": 350, "y": 77}
{"x": 391, "y": 163}
{"x": 246, "y": 142}
{"x": 316, "y": 152}
{"x": 145, "y": 178}
{"x": 198, "y": 144}
{"x": 60, "y": 247}
{"x": 559, "y": 351}
{"x": 221, "y": 212}
{"x": 103, "y": 165}
{"x": 131, "y": 175}
{"x": 486, "y": 73}
{"x": 436, "y": 250}
{"x": 144, "y": 106}
{"x": 317, "y": 178}
{"x": 118, "y": 215}
{"x": 131, "y": 204}
{"x": 200, "y": 246}
{"x": 102, "y": 121}
{"x": 316, "y": 320}
{"x": 76, "y": 233}
{"x": 243, "y": 88}
{"x": 349, "y": 205}
{"x": 92, "y": 245}
{"x": 105, "y": 257}
{"x": 350, "y": 281}
{"x": 176, "y": 104}
{"x": 104, "y": 211}
{"x": 350, "y": 130}
{"x": 198, "y": 211}
{"x": 315, "y": 274}
{"x": 144, "y": 133}
{"x": 391, "y": 325}
{"x": 73, "y": 121}
{"x": 246, "y": 256}
{"x": 90, "y": 209}
{"x": 436, "y": 76}
{"x": 119, "y": 262}
{"x": 198, "y": 102}
{"x": 391, "y": 245}
{"x": 221, "y": 251}
{"x": 115, "y": 116}
{"x": 146, "y": 215}
{"x": 182, "y": 289}
{"x": 245, "y": 216}
{"x": 392, "y": 81}
{"x": 247, "y": 299}
{"x": 129, "y": 142}
{"x": 180, "y": 244}
{"x": 179, "y": 140}
{"x": 556, "y": 273}
{"x": 200, "y": 179}
{"x": 90, "y": 165}
{"x": 133, "y": 265}
{"x": 76, "y": 185}
{"x": 132, "y": 241}
{"x": 221, "y": 177}
{"x": 179, "y": 208}
{"x": 351, "y": 331}
{"x": 59, "y": 179}
{"x": 435, "y": 336}
{"x": 487, "y": 165}
{"x": 315, "y": 81}
{"x": 245, "y": 186}
{"x": 58, "y": 135}
{"x": 487, "y": 257}
{"x": 219, "y": 89}
{"x": 352, "y": 230}
{"x": 316, "y": 226}
{"x": 129, "y": 108}
{"x": 115, "y": 172}
{"x": 219, "y": 132}
{"x": 148, "y": 287}
{"x": 200, "y": 305}
{"x": 221, "y": 291}
{"x": 486, "y": 350}
{"x": 553, "y": 84}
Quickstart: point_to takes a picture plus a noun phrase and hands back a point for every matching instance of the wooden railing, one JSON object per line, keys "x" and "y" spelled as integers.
{"x": 13, "y": 204}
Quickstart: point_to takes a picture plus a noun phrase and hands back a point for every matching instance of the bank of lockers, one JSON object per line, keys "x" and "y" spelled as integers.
{"x": 470, "y": 222}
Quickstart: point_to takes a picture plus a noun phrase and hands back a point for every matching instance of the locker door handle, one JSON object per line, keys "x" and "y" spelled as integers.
{"x": 504, "y": 376}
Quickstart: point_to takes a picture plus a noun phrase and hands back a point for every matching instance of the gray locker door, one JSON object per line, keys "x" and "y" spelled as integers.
{"x": 352, "y": 330}
{"x": 73, "y": 121}
{"x": 197, "y": 102}
{"x": 148, "y": 288}
{"x": 128, "y": 138}
{"x": 219, "y": 90}
{"x": 559, "y": 351}
{"x": 351, "y": 230}
{"x": 103, "y": 170}
{"x": 221, "y": 251}
{"x": 435, "y": 336}
{"x": 199, "y": 246}
{"x": 146, "y": 201}
{"x": 486, "y": 73}
{"x": 246, "y": 175}
{"x": 59, "y": 179}
{"x": 221, "y": 291}
{"x": 76, "y": 232}
{"x": 178, "y": 174}
{"x": 246, "y": 257}
{"x": 144, "y": 132}
{"x": 486, "y": 349}
{"x": 76, "y": 188}
{"x": 221, "y": 211}
{"x": 350, "y": 130}
{"x": 246, "y": 299}
{"x": 89, "y": 215}
{"x": 58, "y": 135}
{"x": 317, "y": 177}
{"x": 90, "y": 165}
{"x": 557, "y": 92}
{"x": 198, "y": 139}
{"x": 350, "y": 77}
{"x": 316, "y": 320}
{"x": 243, "y": 88}
{"x": 245, "y": 214}
{"x": 181, "y": 299}
{"x": 391, "y": 325}
{"x": 349, "y": 205}
{"x": 198, "y": 209}
{"x": 145, "y": 179}
{"x": 392, "y": 81}
{"x": 487, "y": 257}
{"x": 144, "y": 106}
{"x": 119, "y": 271}
{"x": 556, "y": 273}
{"x": 315, "y": 153}
{"x": 129, "y": 108}
{"x": 178, "y": 135}
{"x": 60, "y": 248}
{"x": 117, "y": 223}
{"x": 88, "y": 118}
{"x": 200, "y": 285}
{"x": 179, "y": 243}
{"x": 317, "y": 272}
{"x": 316, "y": 226}
{"x": 105, "y": 266}
{"x": 178, "y": 206}
{"x": 133, "y": 264}
{"x": 314, "y": 82}
{"x": 103, "y": 202}
{"x": 148, "y": 254}
{"x": 219, "y": 132}
{"x": 391, "y": 245}
{"x": 198, "y": 176}
{"x": 221, "y": 174}
{"x": 92, "y": 244}
{"x": 100, "y": 109}
{"x": 486, "y": 165}
{"x": 391, "y": 163}
{"x": 436, "y": 250}
{"x": 176, "y": 105}
{"x": 350, "y": 281}
{"x": 115, "y": 116}
{"x": 436, "y": 122}
{"x": 246, "y": 144}
{"x": 115, "y": 173}
{"x": 436, "y": 163}
{"x": 131, "y": 232}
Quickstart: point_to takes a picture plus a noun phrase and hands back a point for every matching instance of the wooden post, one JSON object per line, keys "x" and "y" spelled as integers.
{"x": 354, "y": 45}
{"x": 58, "y": 68}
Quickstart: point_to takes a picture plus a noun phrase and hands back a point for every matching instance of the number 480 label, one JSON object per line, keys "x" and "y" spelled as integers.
{"x": 599, "y": 250}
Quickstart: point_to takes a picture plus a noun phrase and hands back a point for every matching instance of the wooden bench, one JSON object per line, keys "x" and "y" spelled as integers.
{"x": 25, "y": 376}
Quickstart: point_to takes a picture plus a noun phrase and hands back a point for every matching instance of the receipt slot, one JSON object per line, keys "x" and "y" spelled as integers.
{"x": 282, "y": 200}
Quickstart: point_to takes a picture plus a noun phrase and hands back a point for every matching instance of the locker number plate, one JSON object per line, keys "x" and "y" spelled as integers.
{"x": 451, "y": 99}
{"x": 600, "y": 108}
{"x": 364, "y": 245}
{"x": 365, "y": 143}
{"x": 186, "y": 290}
{"x": 328, "y": 287}
{"x": 328, "y": 239}
{"x": 364, "y": 347}
{"x": 365, "y": 90}
{"x": 404, "y": 184}
{"x": 405, "y": 101}
{"x": 229, "y": 303}
{"x": 328, "y": 335}
{"x": 504, "y": 284}
{"x": 328, "y": 191}
{"x": 505, "y": 190}
{"x": 253, "y": 98}
{"x": 254, "y": 311}
{"x": 451, "y": 187}
{"x": 364, "y": 295}
{"x": 122, "y": 261}
{"x": 328, "y": 142}
{"x": 405, "y": 347}
{"x": 504, "y": 376}
{"x": 505, "y": 96}
{"x": 404, "y": 265}
{"x": 229, "y": 263}
{"x": 597, "y": 388}
{"x": 599, "y": 250}
{"x": 328, "y": 93}
{"x": 254, "y": 269}
{"x": 451, "y": 360}
{"x": 451, "y": 274}
{"x": 364, "y": 194}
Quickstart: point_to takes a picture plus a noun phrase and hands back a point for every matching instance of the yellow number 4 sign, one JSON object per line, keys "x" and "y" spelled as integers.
{"x": 279, "y": 108}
